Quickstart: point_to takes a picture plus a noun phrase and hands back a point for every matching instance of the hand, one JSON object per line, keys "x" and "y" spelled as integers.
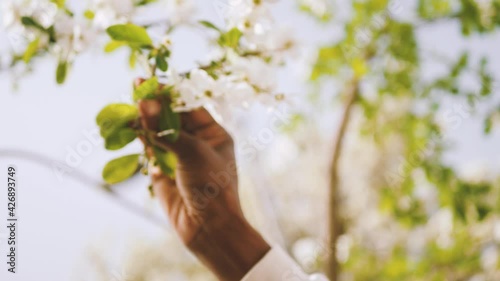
{"x": 202, "y": 202}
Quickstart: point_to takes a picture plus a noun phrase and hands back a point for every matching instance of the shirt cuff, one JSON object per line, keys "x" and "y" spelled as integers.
{"x": 277, "y": 265}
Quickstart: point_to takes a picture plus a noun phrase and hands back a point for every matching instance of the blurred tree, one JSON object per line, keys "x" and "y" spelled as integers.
{"x": 381, "y": 58}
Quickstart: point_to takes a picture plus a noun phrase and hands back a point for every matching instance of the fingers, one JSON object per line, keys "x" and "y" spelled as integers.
{"x": 149, "y": 111}
{"x": 166, "y": 191}
{"x": 201, "y": 124}
{"x": 197, "y": 119}
{"x": 192, "y": 121}
{"x": 138, "y": 81}
{"x": 163, "y": 186}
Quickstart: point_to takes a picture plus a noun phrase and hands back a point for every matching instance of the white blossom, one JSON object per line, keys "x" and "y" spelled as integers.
{"x": 64, "y": 24}
{"x": 475, "y": 172}
{"x": 237, "y": 93}
{"x": 496, "y": 230}
{"x": 42, "y": 11}
{"x": 181, "y": 11}
{"x": 261, "y": 34}
{"x": 72, "y": 35}
{"x": 196, "y": 91}
{"x": 12, "y": 11}
{"x": 236, "y": 12}
{"x": 440, "y": 227}
{"x": 319, "y": 8}
{"x": 109, "y": 12}
{"x": 306, "y": 251}
{"x": 478, "y": 277}
{"x": 344, "y": 245}
{"x": 273, "y": 40}
{"x": 257, "y": 72}
{"x": 489, "y": 257}
{"x": 416, "y": 242}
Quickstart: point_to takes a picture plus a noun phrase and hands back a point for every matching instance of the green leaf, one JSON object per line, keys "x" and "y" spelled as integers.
{"x": 359, "y": 67}
{"x": 52, "y": 34}
{"x": 117, "y": 112}
{"x": 169, "y": 120}
{"x": 460, "y": 210}
{"x": 68, "y": 12}
{"x": 161, "y": 62}
{"x": 31, "y": 50}
{"x": 31, "y": 22}
{"x": 460, "y": 65}
{"x": 230, "y": 39}
{"x": 59, "y": 3}
{"x": 132, "y": 59}
{"x": 115, "y": 117}
{"x": 167, "y": 161}
{"x": 114, "y": 121}
{"x": 147, "y": 89}
{"x": 130, "y": 33}
{"x": 120, "y": 169}
{"x": 166, "y": 91}
{"x": 145, "y": 2}
{"x": 151, "y": 191}
{"x": 209, "y": 25}
{"x": 488, "y": 125}
{"x": 482, "y": 211}
{"x": 113, "y": 45}
{"x": 120, "y": 138}
{"x": 61, "y": 72}
{"x": 325, "y": 16}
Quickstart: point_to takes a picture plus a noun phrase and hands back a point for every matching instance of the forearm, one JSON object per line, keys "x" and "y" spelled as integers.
{"x": 230, "y": 249}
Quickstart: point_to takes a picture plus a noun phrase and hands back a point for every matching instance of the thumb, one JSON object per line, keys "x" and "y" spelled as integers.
{"x": 166, "y": 190}
{"x": 150, "y": 111}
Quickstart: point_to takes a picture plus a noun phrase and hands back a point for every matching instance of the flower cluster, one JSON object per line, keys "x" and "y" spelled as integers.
{"x": 321, "y": 9}
{"x": 243, "y": 66}
{"x": 246, "y": 52}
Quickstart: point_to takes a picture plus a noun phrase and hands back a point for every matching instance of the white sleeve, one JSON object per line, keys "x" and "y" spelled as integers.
{"x": 277, "y": 265}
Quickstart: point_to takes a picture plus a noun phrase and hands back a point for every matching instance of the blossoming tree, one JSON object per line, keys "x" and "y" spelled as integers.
{"x": 239, "y": 71}
{"x": 408, "y": 215}
{"x": 405, "y": 214}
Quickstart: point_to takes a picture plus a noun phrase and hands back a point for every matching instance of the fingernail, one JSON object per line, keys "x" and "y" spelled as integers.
{"x": 138, "y": 81}
{"x": 150, "y": 107}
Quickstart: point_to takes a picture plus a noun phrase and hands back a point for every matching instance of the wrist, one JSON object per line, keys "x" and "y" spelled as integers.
{"x": 230, "y": 248}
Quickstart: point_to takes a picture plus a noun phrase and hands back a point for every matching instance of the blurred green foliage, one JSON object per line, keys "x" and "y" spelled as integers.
{"x": 381, "y": 48}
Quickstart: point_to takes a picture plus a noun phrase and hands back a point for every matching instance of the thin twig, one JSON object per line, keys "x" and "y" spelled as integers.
{"x": 87, "y": 180}
{"x": 336, "y": 223}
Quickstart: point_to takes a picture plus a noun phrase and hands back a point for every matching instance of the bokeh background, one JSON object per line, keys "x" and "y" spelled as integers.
{"x": 69, "y": 229}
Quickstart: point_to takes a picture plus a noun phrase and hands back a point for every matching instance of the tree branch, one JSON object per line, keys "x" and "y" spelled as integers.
{"x": 87, "y": 180}
{"x": 336, "y": 223}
